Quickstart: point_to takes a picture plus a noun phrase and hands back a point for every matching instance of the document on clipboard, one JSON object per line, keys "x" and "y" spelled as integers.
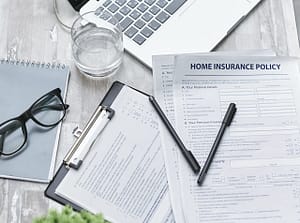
{"x": 116, "y": 166}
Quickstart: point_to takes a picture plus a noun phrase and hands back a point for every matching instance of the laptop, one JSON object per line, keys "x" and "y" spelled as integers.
{"x": 173, "y": 26}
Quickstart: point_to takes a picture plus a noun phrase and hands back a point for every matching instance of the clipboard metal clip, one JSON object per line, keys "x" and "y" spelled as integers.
{"x": 88, "y": 136}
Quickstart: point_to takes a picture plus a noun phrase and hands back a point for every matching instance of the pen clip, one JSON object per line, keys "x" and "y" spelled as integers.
{"x": 229, "y": 114}
{"x": 83, "y": 144}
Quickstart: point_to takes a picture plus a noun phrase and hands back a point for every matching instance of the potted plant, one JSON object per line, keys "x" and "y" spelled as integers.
{"x": 67, "y": 215}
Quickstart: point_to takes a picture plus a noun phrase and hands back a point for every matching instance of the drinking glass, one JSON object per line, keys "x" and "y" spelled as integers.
{"x": 65, "y": 13}
{"x": 97, "y": 43}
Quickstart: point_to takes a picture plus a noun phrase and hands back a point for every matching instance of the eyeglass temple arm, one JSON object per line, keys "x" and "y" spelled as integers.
{"x": 40, "y": 105}
{"x": 59, "y": 107}
{"x": 46, "y": 99}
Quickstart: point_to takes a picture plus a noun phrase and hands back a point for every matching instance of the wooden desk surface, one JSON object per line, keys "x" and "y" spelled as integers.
{"x": 27, "y": 29}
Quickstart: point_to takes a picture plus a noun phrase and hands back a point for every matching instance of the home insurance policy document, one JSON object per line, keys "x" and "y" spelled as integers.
{"x": 123, "y": 176}
{"x": 255, "y": 175}
{"x": 163, "y": 75}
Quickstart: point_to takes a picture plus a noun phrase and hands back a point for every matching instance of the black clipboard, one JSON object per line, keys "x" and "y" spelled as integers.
{"x": 105, "y": 104}
{"x": 64, "y": 168}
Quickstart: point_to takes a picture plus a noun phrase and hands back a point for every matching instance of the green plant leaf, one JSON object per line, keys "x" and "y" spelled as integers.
{"x": 67, "y": 215}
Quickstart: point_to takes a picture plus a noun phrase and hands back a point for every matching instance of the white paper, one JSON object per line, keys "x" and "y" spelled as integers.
{"x": 163, "y": 75}
{"x": 255, "y": 175}
{"x": 163, "y": 67}
{"x": 123, "y": 176}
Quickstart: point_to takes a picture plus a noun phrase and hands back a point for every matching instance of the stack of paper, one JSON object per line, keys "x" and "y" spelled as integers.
{"x": 255, "y": 175}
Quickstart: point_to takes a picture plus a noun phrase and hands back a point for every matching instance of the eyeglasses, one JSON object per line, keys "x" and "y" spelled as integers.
{"x": 47, "y": 112}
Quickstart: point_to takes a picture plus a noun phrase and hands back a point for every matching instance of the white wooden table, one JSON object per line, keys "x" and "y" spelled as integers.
{"x": 26, "y": 32}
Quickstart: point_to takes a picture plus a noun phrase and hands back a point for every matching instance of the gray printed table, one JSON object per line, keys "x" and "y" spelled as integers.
{"x": 27, "y": 29}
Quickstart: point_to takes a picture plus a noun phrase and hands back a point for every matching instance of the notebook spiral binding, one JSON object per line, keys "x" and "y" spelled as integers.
{"x": 28, "y": 63}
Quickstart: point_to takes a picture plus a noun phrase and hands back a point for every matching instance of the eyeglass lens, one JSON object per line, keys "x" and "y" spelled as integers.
{"x": 49, "y": 110}
{"x": 11, "y": 137}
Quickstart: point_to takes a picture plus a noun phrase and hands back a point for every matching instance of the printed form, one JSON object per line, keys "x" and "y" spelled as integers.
{"x": 123, "y": 176}
{"x": 163, "y": 75}
{"x": 255, "y": 175}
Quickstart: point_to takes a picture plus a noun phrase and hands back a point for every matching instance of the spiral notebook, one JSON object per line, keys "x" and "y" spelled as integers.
{"x": 21, "y": 84}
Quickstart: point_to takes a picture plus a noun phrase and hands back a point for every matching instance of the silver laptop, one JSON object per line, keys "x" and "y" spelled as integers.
{"x": 173, "y": 26}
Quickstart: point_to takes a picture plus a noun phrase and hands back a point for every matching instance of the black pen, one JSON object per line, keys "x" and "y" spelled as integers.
{"x": 226, "y": 122}
{"x": 188, "y": 155}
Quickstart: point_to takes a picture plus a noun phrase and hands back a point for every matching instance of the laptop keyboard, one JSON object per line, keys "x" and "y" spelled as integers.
{"x": 139, "y": 19}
